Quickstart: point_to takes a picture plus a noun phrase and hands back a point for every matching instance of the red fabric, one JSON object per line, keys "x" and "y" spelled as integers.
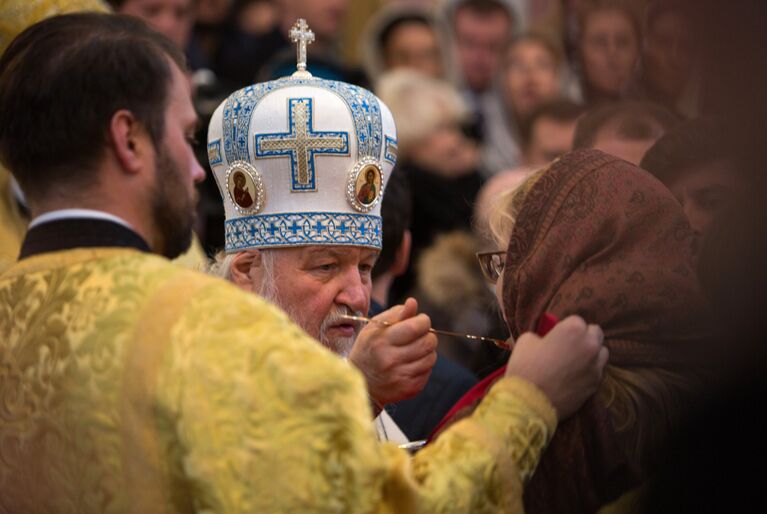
{"x": 476, "y": 393}
{"x": 468, "y": 400}
{"x": 546, "y": 323}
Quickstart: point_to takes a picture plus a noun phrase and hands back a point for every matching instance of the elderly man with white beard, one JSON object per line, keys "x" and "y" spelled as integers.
{"x": 292, "y": 159}
{"x": 314, "y": 286}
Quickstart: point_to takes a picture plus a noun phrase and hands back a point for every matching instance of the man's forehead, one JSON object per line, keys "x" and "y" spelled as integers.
{"x": 337, "y": 251}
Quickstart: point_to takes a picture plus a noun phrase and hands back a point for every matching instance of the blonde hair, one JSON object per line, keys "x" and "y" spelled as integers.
{"x": 505, "y": 209}
{"x": 645, "y": 406}
{"x": 419, "y": 104}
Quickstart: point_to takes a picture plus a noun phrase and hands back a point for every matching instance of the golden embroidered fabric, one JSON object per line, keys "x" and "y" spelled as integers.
{"x": 128, "y": 384}
{"x": 194, "y": 258}
{"x": 17, "y": 15}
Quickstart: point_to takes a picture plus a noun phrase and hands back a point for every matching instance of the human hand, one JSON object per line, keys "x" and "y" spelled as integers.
{"x": 396, "y": 360}
{"x": 566, "y": 364}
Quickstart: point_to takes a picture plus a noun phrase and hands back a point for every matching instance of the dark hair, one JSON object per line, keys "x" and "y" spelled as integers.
{"x": 61, "y": 81}
{"x": 411, "y": 17}
{"x": 561, "y": 110}
{"x": 589, "y": 7}
{"x": 396, "y": 212}
{"x": 483, "y": 7}
{"x": 692, "y": 143}
{"x": 633, "y": 120}
{"x": 658, "y": 8}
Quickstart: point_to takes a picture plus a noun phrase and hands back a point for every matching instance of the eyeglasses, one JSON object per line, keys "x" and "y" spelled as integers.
{"x": 492, "y": 264}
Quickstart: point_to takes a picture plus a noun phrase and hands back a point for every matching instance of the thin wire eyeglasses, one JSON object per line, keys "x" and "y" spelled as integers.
{"x": 492, "y": 264}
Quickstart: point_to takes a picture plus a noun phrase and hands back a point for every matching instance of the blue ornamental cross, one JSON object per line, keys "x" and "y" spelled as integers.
{"x": 302, "y": 143}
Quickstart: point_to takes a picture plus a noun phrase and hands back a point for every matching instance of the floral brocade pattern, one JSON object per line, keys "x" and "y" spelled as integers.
{"x": 64, "y": 331}
{"x": 130, "y": 385}
{"x": 17, "y": 15}
{"x": 514, "y": 451}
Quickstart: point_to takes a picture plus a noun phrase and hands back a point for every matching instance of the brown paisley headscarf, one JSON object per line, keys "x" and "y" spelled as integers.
{"x": 601, "y": 238}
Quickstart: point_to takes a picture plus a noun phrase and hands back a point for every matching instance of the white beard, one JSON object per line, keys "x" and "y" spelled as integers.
{"x": 341, "y": 346}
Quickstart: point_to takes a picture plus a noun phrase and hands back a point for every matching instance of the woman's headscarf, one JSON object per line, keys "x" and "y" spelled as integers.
{"x": 601, "y": 238}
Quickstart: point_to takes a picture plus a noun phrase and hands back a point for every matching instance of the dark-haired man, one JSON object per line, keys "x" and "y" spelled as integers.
{"x": 624, "y": 129}
{"x": 132, "y": 385}
{"x": 480, "y": 31}
{"x": 152, "y": 124}
{"x": 549, "y": 131}
{"x": 695, "y": 163}
{"x": 14, "y": 208}
{"x": 14, "y": 212}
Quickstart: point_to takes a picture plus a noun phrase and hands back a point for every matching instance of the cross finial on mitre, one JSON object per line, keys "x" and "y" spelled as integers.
{"x": 302, "y": 36}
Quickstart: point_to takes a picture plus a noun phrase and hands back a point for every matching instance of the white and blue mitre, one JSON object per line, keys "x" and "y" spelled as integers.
{"x": 302, "y": 161}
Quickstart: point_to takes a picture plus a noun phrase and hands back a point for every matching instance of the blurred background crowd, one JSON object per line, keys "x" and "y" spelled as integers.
{"x": 484, "y": 93}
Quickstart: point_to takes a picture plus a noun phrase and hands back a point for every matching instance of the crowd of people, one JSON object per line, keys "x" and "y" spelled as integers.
{"x": 394, "y": 256}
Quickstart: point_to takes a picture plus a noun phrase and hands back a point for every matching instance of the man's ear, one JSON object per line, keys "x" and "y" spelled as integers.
{"x": 402, "y": 257}
{"x": 244, "y": 267}
{"x": 130, "y": 141}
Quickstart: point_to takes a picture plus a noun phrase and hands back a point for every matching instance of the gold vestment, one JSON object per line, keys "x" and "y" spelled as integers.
{"x": 129, "y": 384}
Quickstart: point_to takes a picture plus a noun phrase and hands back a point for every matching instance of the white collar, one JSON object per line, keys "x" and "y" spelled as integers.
{"x": 18, "y": 193}
{"x": 78, "y": 213}
{"x": 388, "y": 430}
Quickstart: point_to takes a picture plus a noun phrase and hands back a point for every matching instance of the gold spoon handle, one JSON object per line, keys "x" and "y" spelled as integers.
{"x": 498, "y": 342}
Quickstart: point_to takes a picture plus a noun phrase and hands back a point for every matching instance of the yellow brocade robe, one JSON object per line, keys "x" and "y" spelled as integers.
{"x": 128, "y": 384}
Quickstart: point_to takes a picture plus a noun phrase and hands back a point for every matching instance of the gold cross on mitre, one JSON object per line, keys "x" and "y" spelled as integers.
{"x": 302, "y": 144}
{"x": 302, "y": 35}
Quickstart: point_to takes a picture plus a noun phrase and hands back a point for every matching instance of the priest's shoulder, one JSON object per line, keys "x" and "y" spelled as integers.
{"x": 211, "y": 297}
{"x": 213, "y": 320}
